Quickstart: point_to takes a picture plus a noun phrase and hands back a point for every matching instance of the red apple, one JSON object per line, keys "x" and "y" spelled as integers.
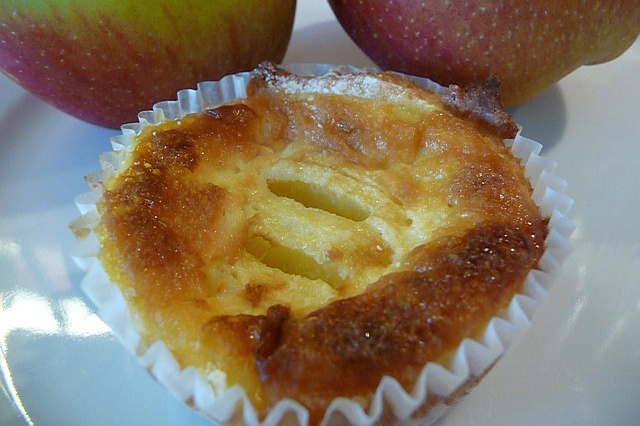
{"x": 103, "y": 61}
{"x": 527, "y": 44}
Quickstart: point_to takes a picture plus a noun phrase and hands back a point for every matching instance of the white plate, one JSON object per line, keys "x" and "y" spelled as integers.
{"x": 578, "y": 364}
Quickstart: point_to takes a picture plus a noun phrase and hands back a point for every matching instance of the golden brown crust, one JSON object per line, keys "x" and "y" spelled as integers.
{"x": 403, "y": 320}
{"x": 307, "y": 241}
{"x": 484, "y": 102}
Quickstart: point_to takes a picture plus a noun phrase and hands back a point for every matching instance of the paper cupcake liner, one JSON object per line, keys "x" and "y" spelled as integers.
{"x": 436, "y": 388}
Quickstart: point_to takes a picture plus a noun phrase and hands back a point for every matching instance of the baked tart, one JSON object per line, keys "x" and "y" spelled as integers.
{"x": 346, "y": 246}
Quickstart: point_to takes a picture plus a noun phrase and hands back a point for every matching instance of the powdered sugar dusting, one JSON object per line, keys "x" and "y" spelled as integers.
{"x": 362, "y": 85}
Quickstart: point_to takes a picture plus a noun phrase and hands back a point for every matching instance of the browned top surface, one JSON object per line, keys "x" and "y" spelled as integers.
{"x": 239, "y": 238}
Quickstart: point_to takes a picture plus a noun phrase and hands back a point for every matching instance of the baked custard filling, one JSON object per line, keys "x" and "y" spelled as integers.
{"x": 305, "y": 243}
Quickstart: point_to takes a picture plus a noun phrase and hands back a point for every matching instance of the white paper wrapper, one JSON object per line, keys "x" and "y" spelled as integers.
{"x": 436, "y": 386}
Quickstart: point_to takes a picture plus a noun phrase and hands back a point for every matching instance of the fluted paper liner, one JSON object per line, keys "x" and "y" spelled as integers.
{"x": 436, "y": 386}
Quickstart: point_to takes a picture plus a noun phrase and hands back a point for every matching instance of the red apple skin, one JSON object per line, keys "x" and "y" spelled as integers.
{"x": 105, "y": 61}
{"x": 528, "y": 45}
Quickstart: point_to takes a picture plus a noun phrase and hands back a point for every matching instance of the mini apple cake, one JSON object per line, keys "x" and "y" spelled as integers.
{"x": 321, "y": 234}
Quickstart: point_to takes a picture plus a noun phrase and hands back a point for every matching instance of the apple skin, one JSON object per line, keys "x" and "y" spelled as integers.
{"x": 528, "y": 45}
{"x": 103, "y": 61}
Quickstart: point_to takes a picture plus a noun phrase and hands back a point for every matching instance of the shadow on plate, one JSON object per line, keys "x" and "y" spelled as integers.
{"x": 325, "y": 42}
{"x": 45, "y": 155}
{"x": 543, "y": 118}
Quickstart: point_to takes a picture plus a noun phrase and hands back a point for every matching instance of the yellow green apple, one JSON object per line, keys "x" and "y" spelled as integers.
{"x": 527, "y": 44}
{"x": 103, "y": 61}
